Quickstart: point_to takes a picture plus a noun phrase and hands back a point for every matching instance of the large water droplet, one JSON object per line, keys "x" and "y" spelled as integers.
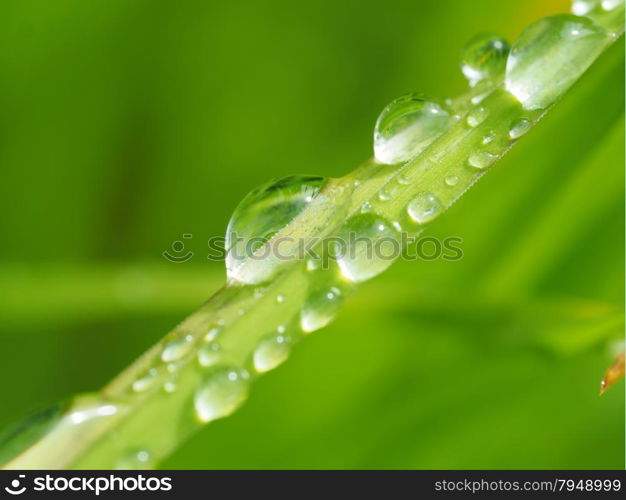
{"x": 407, "y": 126}
{"x": 424, "y": 207}
{"x": 271, "y": 352}
{"x": 484, "y": 57}
{"x": 261, "y": 214}
{"x": 550, "y": 56}
{"x": 220, "y": 393}
{"x": 370, "y": 244}
{"x": 320, "y": 308}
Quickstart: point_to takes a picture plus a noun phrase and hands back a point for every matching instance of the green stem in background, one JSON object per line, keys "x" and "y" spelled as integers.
{"x": 202, "y": 370}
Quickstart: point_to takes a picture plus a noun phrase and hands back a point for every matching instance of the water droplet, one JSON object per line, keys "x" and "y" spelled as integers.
{"x": 170, "y": 386}
{"x": 407, "y": 126}
{"x": 384, "y": 196}
{"x": 270, "y": 353}
{"x": 366, "y": 207}
{"x": 549, "y": 57}
{"x": 403, "y": 180}
{"x": 177, "y": 349}
{"x": 280, "y": 299}
{"x": 489, "y": 137}
{"x": 476, "y": 116}
{"x": 452, "y": 180}
{"x": 519, "y": 128}
{"x": 135, "y": 460}
{"x": 221, "y": 392}
{"x": 320, "y": 308}
{"x": 484, "y": 57}
{"x": 212, "y": 334}
{"x": 424, "y": 208}
{"x": 146, "y": 381}
{"x": 209, "y": 354}
{"x": 260, "y": 215}
{"x": 88, "y": 408}
{"x": 481, "y": 159}
{"x": 585, "y": 7}
{"x": 370, "y": 245}
{"x": 312, "y": 265}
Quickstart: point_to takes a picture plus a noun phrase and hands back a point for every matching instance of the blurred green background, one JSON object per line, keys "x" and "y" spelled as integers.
{"x": 126, "y": 124}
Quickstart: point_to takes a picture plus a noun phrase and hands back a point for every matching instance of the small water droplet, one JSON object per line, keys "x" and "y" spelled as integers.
{"x": 170, "y": 385}
{"x": 135, "y": 460}
{"x": 370, "y": 245}
{"x": 212, "y": 334}
{"x": 407, "y": 126}
{"x": 452, "y": 180}
{"x": 519, "y": 128}
{"x": 270, "y": 353}
{"x": 281, "y": 328}
{"x": 424, "y": 208}
{"x": 550, "y": 56}
{"x": 476, "y": 116}
{"x": 220, "y": 393}
{"x": 484, "y": 57}
{"x": 366, "y": 207}
{"x": 384, "y": 196}
{"x": 312, "y": 265}
{"x": 260, "y": 215}
{"x": 209, "y": 354}
{"x": 146, "y": 381}
{"x": 403, "y": 180}
{"x": 280, "y": 299}
{"x": 588, "y": 7}
{"x": 177, "y": 349}
{"x": 320, "y": 308}
{"x": 481, "y": 159}
{"x": 488, "y": 138}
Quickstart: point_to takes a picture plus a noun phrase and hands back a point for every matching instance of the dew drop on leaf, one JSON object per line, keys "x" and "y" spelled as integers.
{"x": 271, "y": 352}
{"x": 407, "y": 126}
{"x": 260, "y": 215}
{"x": 550, "y": 56}
{"x": 424, "y": 207}
{"x": 220, "y": 393}
{"x": 484, "y": 57}
{"x": 370, "y": 245}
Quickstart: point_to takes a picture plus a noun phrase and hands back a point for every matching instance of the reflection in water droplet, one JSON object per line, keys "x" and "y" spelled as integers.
{"x": 271, "y": 352}
{"x": 550, "y": 56}
{"x": 220, "y": 393}
{"x": 370, "y": 245}
{"x": 484, "y": 57}
{"x": 519, "y": 128}
{"x": 407, "y": 126}
{"x": 424, "y": 208}
{"x": 260, "y": 215}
